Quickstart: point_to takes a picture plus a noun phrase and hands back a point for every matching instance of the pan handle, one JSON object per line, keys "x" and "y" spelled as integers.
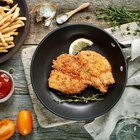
{"x": 124, "y": 45}
{"x": 127, "y": 45}
{"x": 126, "y": 53}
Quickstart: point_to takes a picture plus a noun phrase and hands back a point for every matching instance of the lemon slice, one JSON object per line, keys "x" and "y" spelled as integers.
{"x": 78, "y": 45}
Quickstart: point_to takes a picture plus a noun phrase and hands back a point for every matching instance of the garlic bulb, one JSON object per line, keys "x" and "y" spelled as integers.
{"x": 45, "y": 11}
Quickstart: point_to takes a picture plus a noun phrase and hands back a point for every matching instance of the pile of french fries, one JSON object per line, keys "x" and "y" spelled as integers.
{"x": 10, "y": 21}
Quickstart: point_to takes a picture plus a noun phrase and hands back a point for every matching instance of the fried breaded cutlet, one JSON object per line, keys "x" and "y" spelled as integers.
{"x": 65, "y": 82}
{"x": 96, "y": 71}
{"x": 72, "y": 74}
{"x": 67, "y": 64}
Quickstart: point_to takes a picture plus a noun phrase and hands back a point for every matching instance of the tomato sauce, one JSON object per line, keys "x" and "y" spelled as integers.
{"x": 5, "y": 85}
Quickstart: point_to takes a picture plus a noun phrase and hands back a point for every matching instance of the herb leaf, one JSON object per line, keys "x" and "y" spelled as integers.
{"x": 116, "y": 16}
{"x": 93, "y": 98}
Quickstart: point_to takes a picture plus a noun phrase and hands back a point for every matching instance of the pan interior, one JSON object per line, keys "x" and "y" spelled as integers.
{"x": 57, "y": 43}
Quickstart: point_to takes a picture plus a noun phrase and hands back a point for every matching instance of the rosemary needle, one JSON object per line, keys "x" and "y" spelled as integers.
{"x": 116, "y": 16}
{"x": 94, "y": 97}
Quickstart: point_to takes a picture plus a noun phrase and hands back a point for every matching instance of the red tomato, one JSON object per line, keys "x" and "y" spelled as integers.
{"x": 7, "y": 129}
{"x": 24, "y": 122}
{"x": 5, "y": 84}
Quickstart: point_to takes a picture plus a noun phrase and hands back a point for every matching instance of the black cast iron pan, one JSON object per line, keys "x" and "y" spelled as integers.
{"x": 56, "y": 43}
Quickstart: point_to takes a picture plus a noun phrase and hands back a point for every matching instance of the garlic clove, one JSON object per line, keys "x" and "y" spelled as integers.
{"x": 48, "y": 21}
{"x": 45, "y": 10}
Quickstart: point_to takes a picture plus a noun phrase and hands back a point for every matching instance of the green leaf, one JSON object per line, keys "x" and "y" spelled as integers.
{"x": 93, "y": 98}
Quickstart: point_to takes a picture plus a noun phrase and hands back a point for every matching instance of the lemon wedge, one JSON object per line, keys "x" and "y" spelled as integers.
{"x": 78, "y": 45}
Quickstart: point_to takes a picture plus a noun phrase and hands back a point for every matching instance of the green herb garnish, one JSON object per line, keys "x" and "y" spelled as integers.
{"x": 116, "y": 16}
{"x": 94, "y": 97}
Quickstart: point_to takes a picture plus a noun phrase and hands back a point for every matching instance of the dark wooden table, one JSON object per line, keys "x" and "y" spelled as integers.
{"x": 21, "y": 99}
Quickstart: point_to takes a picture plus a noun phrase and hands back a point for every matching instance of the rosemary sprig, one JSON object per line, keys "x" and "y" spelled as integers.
{"x": 116, "y": 16}
{"x": 94, "y": 97}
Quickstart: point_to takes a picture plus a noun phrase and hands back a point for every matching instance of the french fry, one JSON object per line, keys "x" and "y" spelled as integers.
{"x": 3, "y": 51}
{"x": 2, "y": 48}
{"x": 4, "y": 8}
{"x": 9, "y": 39}
{"x": 11, "y": 28}
{"x": 8, "y": 29}
{"x": 10, "y": 33}
{"x": 8, "y": 1}
{"x": 10, "y": 43}
{"x": 5, "y": 19}
{"x": 21, "y": 18}
{"x": 10, "y": 46}
{"x": 4, "y": 25}
{"x": 9, "y": 23}
{"x": 1, "y": 44}
{"x": 2, "y": 39}
{"x": 16, "y": 13}
{"x": 7, "y": 6}
{"x": 17, "y": 22}
{"x": 15, "y": 33}
{"x": 12, "y": 9}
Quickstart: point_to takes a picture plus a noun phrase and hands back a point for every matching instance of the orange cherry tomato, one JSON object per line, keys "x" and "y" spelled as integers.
{"x": 24, "y": 122}
{"x": 7, "y": 129}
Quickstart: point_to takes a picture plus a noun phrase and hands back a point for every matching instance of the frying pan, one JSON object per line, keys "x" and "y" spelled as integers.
{"x": 56, "y": 43}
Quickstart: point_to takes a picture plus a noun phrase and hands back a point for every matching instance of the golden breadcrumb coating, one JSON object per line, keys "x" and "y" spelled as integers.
{"x": 72, "y": 74}
{"x": 65, "y": 83}
{"x": 96, "y": 70}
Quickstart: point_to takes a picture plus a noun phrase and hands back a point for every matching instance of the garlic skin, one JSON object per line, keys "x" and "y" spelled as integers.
{"x": 45, "y": 11}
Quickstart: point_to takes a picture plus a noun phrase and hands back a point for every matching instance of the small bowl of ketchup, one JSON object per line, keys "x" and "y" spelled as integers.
{"x": 6, "y": 86}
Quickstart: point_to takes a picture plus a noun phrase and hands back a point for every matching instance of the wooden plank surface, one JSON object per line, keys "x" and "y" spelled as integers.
{"x": 21, "y": 99}
{"x": 37, "y": 31}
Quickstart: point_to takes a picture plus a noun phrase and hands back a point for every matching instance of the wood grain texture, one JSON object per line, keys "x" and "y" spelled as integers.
{"x": 21, "y": 99}
{"x": 10, "y": 110}
{"x": 37, "y": 31}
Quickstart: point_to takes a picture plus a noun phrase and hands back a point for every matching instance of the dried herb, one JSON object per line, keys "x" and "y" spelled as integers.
{"x": 116, "y": 16}
{"x": 94, "y": 97}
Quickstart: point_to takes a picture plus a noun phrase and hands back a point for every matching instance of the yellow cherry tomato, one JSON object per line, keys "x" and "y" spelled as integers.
{"x": 7, "y": 129}
{"x": 24, "y": 122}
